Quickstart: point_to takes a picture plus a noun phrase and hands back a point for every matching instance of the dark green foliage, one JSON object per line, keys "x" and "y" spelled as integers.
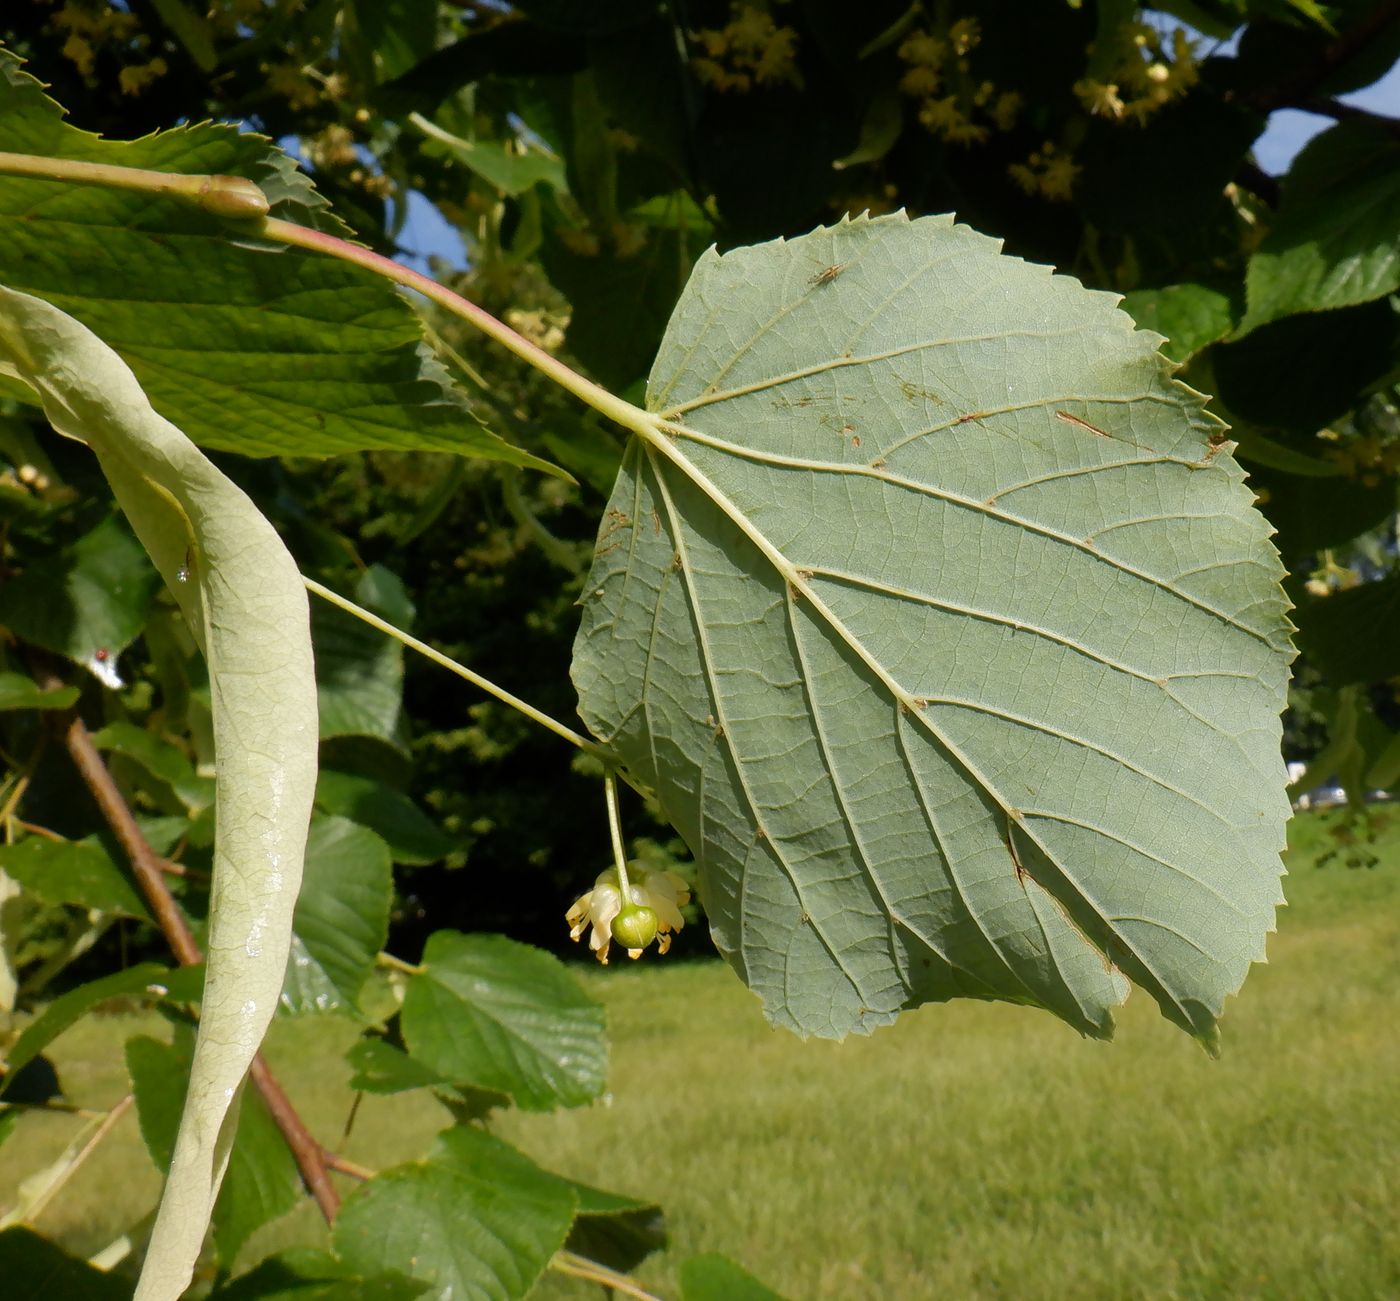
{"x": 595, "y": 158}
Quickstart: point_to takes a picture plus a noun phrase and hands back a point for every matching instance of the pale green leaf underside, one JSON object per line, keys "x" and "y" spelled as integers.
{"x": 246, "y": 605}
{"x": 946, "y": 636}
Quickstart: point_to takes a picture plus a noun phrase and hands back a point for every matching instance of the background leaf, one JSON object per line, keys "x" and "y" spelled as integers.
{"x": 359, "y": 670}
{"x": 250, "y": 348}
{"x": 713, "y": 1277}
{"x": 1190, "y": 316}
{"x": 306, "y": 1275}
{"x": 1354, "y": 635}
{"x": 87, "y": 602}
{"x": 34, "y": 1267}
{"x": 617, "y": 1231}
{"x": 73, "y": 872}
{"x": 942, "y": 626}
{"x": 476, "y": 1219}
{"x": 1333, "y": 242}
{"x": 341, "y": 918}
{"x": 411, "y": 835}
{"x": 18, "y": 691}
{"x": 505, "y": 1017}
{"x": 67, "y": 1009}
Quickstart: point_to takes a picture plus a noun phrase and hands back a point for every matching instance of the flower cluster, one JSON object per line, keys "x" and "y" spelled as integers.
{"x": 953, "y": 106}
{"x": 652, "y": 909}
{"x": 1366, "y": 457}
{"x": 92, "y": 27}
{"x": 751, "y": 49}
{"x": 1140, "y": 76}
{"x": 1047, "y": 172}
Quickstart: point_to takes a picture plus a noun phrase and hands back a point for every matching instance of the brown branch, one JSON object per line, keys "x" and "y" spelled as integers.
{"x": 146, "y": 865}
{"x": 1349, "y": 44}
{"x": 1340, "y": 112}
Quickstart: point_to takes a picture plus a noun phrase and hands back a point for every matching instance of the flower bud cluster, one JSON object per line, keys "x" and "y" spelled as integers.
{"x": 750, "y": 50}
{"x": 953, "y": 105}
{"x": 1142, "y": 77}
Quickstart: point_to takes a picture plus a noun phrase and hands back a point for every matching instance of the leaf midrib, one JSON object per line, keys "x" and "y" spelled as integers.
{"x": 659, "y": 440}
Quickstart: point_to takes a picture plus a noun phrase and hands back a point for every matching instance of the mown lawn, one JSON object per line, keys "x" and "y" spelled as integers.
{"x": 968, "y": 1152}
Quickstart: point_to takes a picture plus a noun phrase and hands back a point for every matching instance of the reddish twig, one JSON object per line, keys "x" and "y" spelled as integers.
{"x": 346, "y": 1166}
{"x": 147, "y": 866}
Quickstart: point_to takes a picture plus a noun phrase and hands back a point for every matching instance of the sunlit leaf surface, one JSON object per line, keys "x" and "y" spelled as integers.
{"x": 940, "y": 620}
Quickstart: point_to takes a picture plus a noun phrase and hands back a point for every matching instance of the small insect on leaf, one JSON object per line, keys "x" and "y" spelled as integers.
{"x": 827, "y": 274}
{"x": 182, "y": 575}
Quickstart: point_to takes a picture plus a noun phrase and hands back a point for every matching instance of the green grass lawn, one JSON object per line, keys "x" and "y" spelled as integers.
{"x": 970, "y": 1151}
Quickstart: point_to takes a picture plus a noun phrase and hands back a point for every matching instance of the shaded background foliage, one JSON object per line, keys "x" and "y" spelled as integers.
{"x": 581, "y": 156}
{"x": 584, "y": 154}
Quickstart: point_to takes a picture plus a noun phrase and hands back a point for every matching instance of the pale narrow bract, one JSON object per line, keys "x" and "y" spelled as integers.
{"x": 941, "y": 622}
{"x": 247, "y": 607}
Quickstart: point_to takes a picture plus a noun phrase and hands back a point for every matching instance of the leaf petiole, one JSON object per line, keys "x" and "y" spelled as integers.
{"x": 461, "y": 670}
{"x": 615, "y": 830}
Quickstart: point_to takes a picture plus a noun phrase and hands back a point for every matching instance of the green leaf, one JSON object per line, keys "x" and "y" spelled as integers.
{"x": 1167, "y": 177}
{"x": 159, "y": 758}
{"x": 713, "y": 1277}
{"x": 399, "y": 32}
{"x": 342, "y": 916}
{"x": 245, "y": 603}
{"x": 1353, "y": 636}
{"x": 512, "y": 171}
{"x": 939, "y": 620}
{"x": 380, "y": 1067}
{"x": 1341, "y": 354}
{"x": 248, "y": 347}
{"x": 413, "y": 837}
{"x": 1333, "y": 242}
{"x": 1190, "y": 316}
{"x": 67, "y": 1009}
{"x": 476, "y": 1219}
{"x": 359, "y": 670}
{"x": 614, "y": 1230}
{"x": 262, "y": 1183}
{"x": 192, "y": 30}
{"x": 87, "y": 602}
{"x": 77, "y": 872}
{"x": 506, "y": 1017}
{"x": 32, "y": 1266}
{"x": 20, "y": 692}
{"x": 621, "y": 301}
{"x": 1312, "y": 513}
{"x": 306, "y": 1275}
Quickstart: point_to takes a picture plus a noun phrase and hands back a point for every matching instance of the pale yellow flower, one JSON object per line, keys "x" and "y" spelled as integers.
{"x": 921, "y": 48}
{"x": 964, "y": 34}
{"x": 664, "y": 892}
{"x": 1005, "y": 110}
{"x": 1058, "y": 177}
{"x": 1100, "y": 98}
{"x": 597, "y": 908}
{"x": 941, "y": 114}
{"x": 919, "y": 81}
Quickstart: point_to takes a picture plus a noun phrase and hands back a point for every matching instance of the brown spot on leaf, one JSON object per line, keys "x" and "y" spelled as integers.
{"x": 1081, "y": 424}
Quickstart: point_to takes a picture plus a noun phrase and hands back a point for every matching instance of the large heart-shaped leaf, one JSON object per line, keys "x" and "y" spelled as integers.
{"x": 939, "y": 619}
